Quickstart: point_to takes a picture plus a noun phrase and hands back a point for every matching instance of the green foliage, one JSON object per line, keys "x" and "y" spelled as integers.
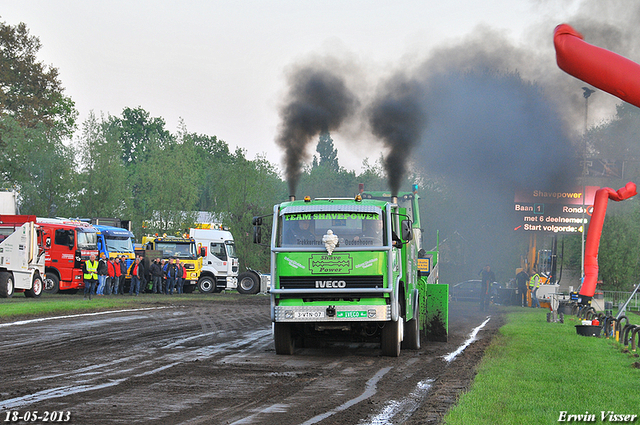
{"x": 30, "y": 91}
{"x": 327, "y": 152}
{"x": 39, "y": 165}
{"x": 619, "y": 254}
{"x": 138, "y": 133}
{"x": 249, "y": 189}
{"x": 103, "y": 177}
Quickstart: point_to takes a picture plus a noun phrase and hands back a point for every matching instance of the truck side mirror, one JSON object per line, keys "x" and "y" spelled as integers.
{"x": 203, "y": 251}
{"x": 407, "y": 231}
{"x": 257, "y": 234}
{"x": 72, "y": 242}
{"x": 257, "y": 221}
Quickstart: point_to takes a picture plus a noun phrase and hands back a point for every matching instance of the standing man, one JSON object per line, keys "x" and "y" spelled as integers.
{"x": 156, "y": 276}
{"x": 90, "y": 275}
{"x": 116, "y": 279}
{"x": 102, "y": 274}
{"x": 135, "y": 272}
{"x": 172, "y": 271}
{"x": 534, "y": 284}
{"x": 123, "y": 272}
{"x": 111, "y": 275}
{"x": 488, "y": 277}
{"x": 521, "y": 283}
{"x": 163, "y": 266}
{"x": 179, "y": 276}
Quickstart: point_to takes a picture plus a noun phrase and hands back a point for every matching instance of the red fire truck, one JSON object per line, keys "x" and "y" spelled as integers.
{"x": 67, "y": 243}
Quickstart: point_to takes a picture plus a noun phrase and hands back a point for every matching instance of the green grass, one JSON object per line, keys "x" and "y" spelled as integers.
{"x": 533, "y": 370}
{"x": 18, "y": 307}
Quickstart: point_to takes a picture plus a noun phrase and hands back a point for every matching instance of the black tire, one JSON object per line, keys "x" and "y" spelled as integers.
{"x": 6, "y": 285}
{"x": 36, "y": 287}
{"x": 283, "y": 338}
{"x": 411, "y": 339}
{"x": 51, "y": 283}
{"x": 248, "y": 283}
{"x": 207, "y": 284}
{"x": 391, "y": 339}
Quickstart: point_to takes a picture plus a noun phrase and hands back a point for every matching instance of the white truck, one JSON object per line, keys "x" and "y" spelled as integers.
{"x": 22, "y": 259}
{"x": 219, "y": 260}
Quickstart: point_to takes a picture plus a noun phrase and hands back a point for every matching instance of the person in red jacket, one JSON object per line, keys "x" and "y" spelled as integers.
{"x": 116, "y": 281}
{"x": 111, "y": 274}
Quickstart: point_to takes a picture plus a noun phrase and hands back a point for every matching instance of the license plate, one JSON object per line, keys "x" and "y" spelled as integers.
{"x": 308, "y": 315}
{"x": 351, "y": 314}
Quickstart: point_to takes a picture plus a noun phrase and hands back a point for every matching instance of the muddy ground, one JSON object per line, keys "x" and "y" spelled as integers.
{"x": 214, "y": 363}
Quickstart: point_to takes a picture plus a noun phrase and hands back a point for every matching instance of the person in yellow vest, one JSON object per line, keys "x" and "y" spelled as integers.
{"x": 90, "y": 275}
{"x": 534, "y": 284}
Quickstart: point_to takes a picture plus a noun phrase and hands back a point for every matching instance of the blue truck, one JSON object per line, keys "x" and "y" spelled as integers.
{"x": 116, "y": 242}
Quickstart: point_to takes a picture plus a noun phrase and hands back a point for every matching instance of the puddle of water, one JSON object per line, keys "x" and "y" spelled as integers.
{"x": 472, "y": 337}
{"x": 403, "y": 408}
{"x": 370, "y": 389}
{"x": 43, "y": 319}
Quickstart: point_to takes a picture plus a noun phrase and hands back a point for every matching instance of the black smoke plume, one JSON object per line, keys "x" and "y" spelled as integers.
{"x": 318, "y": 100}
{"x": 397, "y": 117}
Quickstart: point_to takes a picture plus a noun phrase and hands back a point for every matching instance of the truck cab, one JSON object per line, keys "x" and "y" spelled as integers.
{"x": 68, "y": 244}
{"x": 116, "y": 242}
{"x": 219, "y": 261}
{"x": 182, "y": 248}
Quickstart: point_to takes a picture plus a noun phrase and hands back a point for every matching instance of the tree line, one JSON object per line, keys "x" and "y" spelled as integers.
{"x": 132, "y": 167}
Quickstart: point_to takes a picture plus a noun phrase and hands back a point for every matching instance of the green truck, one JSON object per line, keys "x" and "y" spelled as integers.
{"x": 353, "y": 269}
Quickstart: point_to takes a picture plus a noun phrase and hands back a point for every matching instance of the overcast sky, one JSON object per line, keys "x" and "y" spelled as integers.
{"x": 221, "y": 65}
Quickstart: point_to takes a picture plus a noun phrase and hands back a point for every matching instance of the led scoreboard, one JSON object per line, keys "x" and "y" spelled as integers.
{"x": 554, "y": 211}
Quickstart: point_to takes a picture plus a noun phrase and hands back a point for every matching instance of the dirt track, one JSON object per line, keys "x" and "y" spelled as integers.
{"x": 214, "y": 363}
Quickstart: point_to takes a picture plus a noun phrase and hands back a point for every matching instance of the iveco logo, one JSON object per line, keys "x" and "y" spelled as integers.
{"x": 331, "y": 284}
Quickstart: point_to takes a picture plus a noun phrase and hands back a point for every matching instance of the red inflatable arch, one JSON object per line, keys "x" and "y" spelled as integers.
{"x": 595, "y": 231}
{"x": 601, "y": 68}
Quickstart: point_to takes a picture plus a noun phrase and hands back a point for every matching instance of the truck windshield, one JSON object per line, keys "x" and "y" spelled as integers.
{"x": 119, "y": 244}
{"x": 87, "y": 240}
{"x": 177, "y": 249}
{"x": 231, "y": 249}
{"x": 352, "y": 229}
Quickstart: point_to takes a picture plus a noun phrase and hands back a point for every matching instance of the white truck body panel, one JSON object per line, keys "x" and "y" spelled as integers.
{"x": 8, "y": 203}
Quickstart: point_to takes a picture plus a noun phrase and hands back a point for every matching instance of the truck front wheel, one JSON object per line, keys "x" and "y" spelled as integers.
{"x": 6, "y": 285}
{"x": 391, "y": 338}
{"x": 248, "y": 283}
{"x": 206, "y": 284}
{"x": 36, "y": 287}
{"x": 283, "y": 338}
{"x": 51, "y": 284}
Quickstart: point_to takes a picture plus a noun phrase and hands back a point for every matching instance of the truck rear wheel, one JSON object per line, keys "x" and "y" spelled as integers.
{"x": 411, "y": 340}
{"x": 391, "y": 338}
{"x": 248, "y": 283}
{"x": 36, "y": 287}
{"x": 6, "y": 285}
{"x": 207, "y": 284}
{"x": 51, "y": 284}
{"x": 412, "y": 335}
{"x": 283, "y": 338}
